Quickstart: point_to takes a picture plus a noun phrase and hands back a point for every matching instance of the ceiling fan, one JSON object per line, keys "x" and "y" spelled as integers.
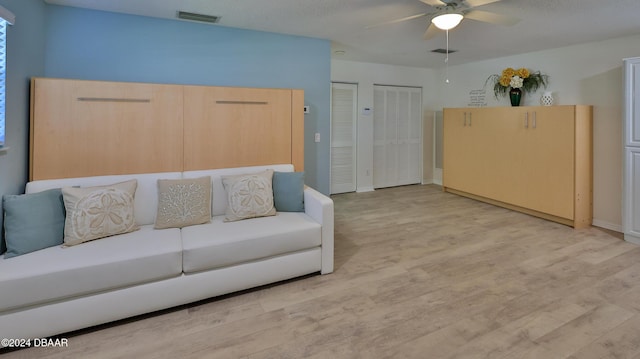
{"x": 449, "y": 13}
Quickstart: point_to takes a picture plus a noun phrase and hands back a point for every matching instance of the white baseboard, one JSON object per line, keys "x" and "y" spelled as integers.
{"x": 437, "y": 176}
{"x": 607, "y": 225}
{"x": 365, "y": 189}
{"x": 632, "y": 239}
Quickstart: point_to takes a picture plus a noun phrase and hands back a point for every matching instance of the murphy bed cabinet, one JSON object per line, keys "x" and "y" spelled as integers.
{"x": 83, "y": 128}
{"x": 536, "y": 160}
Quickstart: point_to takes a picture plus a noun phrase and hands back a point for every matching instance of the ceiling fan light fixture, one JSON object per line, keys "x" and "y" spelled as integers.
{"x": 447, "y": 21}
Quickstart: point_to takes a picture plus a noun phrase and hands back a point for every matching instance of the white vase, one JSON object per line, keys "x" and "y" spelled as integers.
{"x": 546, "y": 99}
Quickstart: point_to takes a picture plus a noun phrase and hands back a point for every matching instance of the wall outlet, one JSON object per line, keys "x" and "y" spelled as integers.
{"x": 317, "y": 137}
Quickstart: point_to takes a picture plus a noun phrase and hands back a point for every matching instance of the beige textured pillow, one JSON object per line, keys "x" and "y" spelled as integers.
{"x": 184, "y": 202}
{"x": 98, "y": 212}
{"x": 249, "y": 195}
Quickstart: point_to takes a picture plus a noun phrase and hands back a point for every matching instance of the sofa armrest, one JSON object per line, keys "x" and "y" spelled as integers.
{"x": 320, "y": 208}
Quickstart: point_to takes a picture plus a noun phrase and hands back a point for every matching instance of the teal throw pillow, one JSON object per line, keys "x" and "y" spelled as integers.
{"x": 33, "y": 221}
{"x": 288, "y": 191}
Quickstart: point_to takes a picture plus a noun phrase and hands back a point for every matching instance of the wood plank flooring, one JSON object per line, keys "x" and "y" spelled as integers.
{"x": 419, "y": 274}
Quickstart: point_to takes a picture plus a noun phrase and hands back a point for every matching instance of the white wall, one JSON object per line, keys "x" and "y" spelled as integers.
{"x": 366, "y": 75}
{"x": 589, "y": 74}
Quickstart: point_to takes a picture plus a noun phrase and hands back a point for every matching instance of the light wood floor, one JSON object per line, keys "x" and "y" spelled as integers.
{"x": 419, "y": 274}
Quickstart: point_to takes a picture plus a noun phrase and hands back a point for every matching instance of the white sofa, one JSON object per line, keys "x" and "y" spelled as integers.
{"x": 61, "y": 289}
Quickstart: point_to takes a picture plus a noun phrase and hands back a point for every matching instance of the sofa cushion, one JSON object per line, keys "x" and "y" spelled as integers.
{"x": 219, "y": 199}
{"x": 183, "y": 202}
{"x": 146, "y": 199}
{"x": 220, "y": 244}
{"x": 33, "y": 221}
{"x": 250, "y": 195}
{"x": 288, "y": 191}
{"x": 98, "y": 212}
{"x": 114, "y": 262}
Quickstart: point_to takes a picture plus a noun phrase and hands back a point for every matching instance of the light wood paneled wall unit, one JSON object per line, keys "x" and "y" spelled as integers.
{"x": 91, "y": 128}
{"x": 297, "y": 129}
{"x": 261, "y": 117}
{"x": 536, "y": 160}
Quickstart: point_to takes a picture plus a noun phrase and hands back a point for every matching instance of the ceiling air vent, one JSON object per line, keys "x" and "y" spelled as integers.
{"x": 198, "y": 17}
{"x": 443, "y": 51}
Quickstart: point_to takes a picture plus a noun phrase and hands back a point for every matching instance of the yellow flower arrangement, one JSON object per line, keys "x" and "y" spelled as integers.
{"x": 521, "y": 78}
{"x": 523, "y": 73}
{"x": 508, "y": 72}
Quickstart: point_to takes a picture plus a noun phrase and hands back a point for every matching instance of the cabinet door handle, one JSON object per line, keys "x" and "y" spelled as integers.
{"x": 526, "y": 120}
{"x": 470, "y": 113}
{"x": 464, "y": 120}
{"x": 534, "y": 119}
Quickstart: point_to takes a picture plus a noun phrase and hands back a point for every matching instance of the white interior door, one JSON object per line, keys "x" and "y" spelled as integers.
{"x": 344, "y": 102}
{"x": 397, "y": 136}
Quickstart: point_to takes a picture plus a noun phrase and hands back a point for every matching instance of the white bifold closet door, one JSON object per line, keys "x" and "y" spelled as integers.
{"x": 344, "y": 101}
{"x": 397, "y": 136}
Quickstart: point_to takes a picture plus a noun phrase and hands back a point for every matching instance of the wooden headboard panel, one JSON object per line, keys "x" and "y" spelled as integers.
{"x": 91, "y": 128}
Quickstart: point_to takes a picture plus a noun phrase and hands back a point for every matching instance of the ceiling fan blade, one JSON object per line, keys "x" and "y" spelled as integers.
{"x": 433, "y": 2}
{"x": 432, "y": 30}
{"x": 474, "y": 3}
{"x": 398, "y": 20}
{"x": 491, "y": 17}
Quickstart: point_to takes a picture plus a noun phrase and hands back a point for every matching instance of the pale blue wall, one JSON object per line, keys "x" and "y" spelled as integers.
{"x": 87, "y": 44}
{"x": 25, "y": 58}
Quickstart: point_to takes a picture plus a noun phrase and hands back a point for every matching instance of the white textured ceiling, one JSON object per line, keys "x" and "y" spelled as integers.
{"x": 544, "y": 24}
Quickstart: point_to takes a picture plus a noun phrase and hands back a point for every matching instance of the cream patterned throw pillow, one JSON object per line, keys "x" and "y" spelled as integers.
{"x": 184, "y": 202}
{"x": 98, "y": 212}
{"x": 249, "y": 196}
